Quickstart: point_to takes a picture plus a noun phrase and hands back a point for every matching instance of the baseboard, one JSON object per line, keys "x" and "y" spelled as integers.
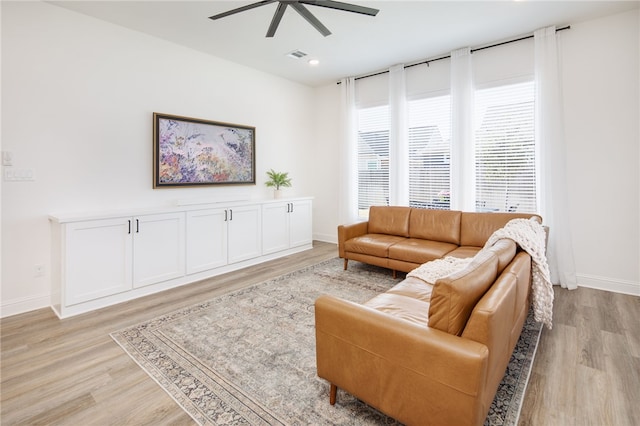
{"x": 25, "y": 304}
{"x": 327, "y": 238}
{"x": 609, "y": 284}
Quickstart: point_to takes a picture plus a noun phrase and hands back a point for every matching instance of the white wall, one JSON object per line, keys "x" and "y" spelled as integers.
{"x": 602, "y": 119}
{"x": 78, "y": 96}
{"x": 601, "y": 99}
{"x": 326, "y": 165}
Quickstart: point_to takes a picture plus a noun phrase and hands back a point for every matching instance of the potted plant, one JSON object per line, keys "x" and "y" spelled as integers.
{"x": 278, "y": 180}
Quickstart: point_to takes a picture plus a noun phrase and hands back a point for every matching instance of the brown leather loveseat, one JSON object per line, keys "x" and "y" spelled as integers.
{"x": 429, "y": 354}
{"x": 402, "y": 238}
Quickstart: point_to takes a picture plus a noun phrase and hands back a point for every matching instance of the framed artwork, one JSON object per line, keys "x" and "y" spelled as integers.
{"x": 192, "y": 152}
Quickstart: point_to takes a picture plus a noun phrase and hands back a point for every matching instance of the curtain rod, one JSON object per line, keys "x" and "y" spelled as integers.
{"x": 568, "y": 27}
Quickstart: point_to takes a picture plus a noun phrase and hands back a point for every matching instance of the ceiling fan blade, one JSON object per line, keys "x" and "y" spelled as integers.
{"x": 347, "y": 7}
{"x": 242, "y": 9}
{"x": 304, "y": 12}
{"x": 277, "y": 17}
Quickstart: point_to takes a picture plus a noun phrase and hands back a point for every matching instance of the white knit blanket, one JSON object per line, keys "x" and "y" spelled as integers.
{"x": 430, "y": 272}
{"x": 530, "y": 236}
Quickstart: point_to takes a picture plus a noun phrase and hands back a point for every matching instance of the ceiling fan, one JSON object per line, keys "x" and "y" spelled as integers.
{"x": 298, "y": 6}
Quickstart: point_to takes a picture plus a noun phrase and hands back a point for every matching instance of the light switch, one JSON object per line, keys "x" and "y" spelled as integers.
{"x": 7, "y": 158}
{"x": 19, "y": 175}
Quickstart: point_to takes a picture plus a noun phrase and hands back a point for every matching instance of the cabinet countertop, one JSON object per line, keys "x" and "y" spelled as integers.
{"x": 77, "y": 216}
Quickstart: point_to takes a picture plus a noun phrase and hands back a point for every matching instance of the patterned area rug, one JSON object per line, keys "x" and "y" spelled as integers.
{"x": 248, "y": 357}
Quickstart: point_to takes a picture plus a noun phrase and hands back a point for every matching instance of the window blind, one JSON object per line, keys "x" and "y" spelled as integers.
{"x": 505, "y": 148}
{"x": 430, "y": 152}
{"x": 373, "y": 158}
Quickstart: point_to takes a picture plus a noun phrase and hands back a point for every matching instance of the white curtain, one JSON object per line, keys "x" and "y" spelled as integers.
{"x": 553, "y": 199}
{"x": 348, "y": 202}
{"x": 398, "y": 138}
{"x": 462, "y": 147}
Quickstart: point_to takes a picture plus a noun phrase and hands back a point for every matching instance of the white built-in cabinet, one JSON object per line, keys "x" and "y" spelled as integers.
{"x": 109, "y": 256}
{"x": 158, "y": 248}
{"x": 244, "y": 233}
{"x": 206, "y": 239}
{"x": 99, "y": 260}
{"x": 217, "y": 237}
{"x": 285, "y": 225}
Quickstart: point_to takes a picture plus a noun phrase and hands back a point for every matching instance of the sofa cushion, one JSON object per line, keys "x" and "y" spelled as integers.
{"x": 476, "y": 228}
{"x": 464, "y": 252}
{"x": 372, "y": 244}
{"x": 419, "y": 251}
{"x": 505, "y": 249}
{"x": 413, "y": 287}
{"x": 390, "y": 220}
{"x": 454, "y": 296}
{"x": 399, "y": 306}
{"x": 436, "y": 225}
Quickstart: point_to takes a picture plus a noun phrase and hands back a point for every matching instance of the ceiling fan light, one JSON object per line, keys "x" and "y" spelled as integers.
{"x": 298, "y": 6}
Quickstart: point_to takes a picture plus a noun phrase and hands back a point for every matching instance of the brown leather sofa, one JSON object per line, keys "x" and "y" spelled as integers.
{"x": 429, "y": 354}
{"x": 403, "y": 238}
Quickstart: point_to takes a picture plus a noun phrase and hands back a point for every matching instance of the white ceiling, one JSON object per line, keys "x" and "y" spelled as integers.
{"x": 402, "y": 32}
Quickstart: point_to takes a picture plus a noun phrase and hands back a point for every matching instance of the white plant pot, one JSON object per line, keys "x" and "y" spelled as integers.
{"x": 277, "y": 193}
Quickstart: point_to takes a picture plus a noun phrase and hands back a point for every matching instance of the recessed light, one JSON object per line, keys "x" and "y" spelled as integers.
{"x": 313, "y": 62}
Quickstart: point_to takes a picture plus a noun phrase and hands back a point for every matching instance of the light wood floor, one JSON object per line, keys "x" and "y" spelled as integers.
{"x": 70, "y": 372}
{"x": 587, "y": 368}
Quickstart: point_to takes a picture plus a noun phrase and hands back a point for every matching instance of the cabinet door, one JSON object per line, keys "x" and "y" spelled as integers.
{"x": 300, "y": 223}
{"x": 158, "y": 248}
{"x": 206, "y": 240}
{"x": 97, "y": 259}
{"x": 275, "y": 227}
{"x": 245, "y": 234}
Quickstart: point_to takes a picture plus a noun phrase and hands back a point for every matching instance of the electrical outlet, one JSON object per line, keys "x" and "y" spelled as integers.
{"x": 38, "y": 270}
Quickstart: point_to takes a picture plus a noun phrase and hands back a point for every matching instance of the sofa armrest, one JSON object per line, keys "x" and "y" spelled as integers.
{"x": 346, "y": 232}
{"x": 380, "y": 359}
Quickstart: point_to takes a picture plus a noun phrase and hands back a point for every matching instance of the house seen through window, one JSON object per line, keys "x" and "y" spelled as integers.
{"x": 505, "y": 164}
{"x": 505, "y": 148}
{"x": 373, "y": 158}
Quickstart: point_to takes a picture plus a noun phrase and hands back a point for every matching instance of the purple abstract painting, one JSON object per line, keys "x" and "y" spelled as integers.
{"x": 191, "y": 151}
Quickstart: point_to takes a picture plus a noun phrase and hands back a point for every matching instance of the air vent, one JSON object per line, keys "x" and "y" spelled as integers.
{"x": 296, "y": 54}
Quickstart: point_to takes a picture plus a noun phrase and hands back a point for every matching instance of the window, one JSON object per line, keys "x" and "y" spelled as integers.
{"x": 505, "y": 163}
{"x": 505, "y": 148}
{"x": 373, "y": 158}
{"x": 430, "y": 152}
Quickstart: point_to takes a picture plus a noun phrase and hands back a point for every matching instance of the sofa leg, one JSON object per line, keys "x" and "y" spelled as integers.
{"x": 346, "y": 261}
{"x": 395, "y": 274}
{"x": 332, "y": 394}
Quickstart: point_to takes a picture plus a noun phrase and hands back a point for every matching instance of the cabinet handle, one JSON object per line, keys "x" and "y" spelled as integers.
{"x": 230, "y": 214}
{"x": 291, "y": 207}
{"x": 225, "y": 215}
{"x": 137, "y": 226}
{"x": 129, "y": 226}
